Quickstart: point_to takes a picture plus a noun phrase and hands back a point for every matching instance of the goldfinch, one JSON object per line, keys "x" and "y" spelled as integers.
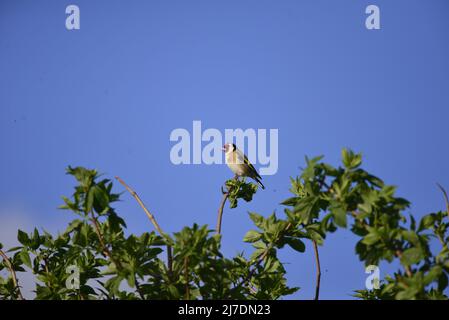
{"x": 239, "y": 163}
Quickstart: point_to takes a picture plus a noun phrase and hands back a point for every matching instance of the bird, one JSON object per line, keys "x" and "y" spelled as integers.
{"x": 239, "y": 163}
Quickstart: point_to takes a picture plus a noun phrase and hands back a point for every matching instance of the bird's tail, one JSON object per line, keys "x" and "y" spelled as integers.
{"x": 260, "y": 183}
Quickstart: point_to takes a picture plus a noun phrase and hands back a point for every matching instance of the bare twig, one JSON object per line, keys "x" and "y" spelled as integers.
{"x": 446, "y": 199}
{"x": 105, "y": 250}
{"x": 222, "y": 204}
{"x": 153, "y": 221}
{"x": 220, "y": 211}
{"x": 147, "y": 212}
{"x": 318, "y": 270}
{"x": 13, "y": 273}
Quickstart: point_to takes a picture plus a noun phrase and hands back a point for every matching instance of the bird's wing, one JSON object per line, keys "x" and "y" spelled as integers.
{"x": 248, "y": 163}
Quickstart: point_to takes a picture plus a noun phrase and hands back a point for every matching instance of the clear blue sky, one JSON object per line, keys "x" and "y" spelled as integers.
{"x": 108, "y": 95}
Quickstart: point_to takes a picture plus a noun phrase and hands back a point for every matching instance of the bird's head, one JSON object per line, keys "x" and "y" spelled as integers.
{"x": 229, "y": 147}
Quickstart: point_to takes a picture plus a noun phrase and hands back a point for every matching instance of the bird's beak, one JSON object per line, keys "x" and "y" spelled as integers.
{"x": 223, "y": 149}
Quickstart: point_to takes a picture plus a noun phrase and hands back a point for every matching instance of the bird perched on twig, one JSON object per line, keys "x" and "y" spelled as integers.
{"x": 239, "y": 163}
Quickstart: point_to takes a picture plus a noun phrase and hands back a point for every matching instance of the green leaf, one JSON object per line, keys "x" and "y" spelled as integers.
{"x": 239, "y": 189}
{"x": 350, "y": 159}
{"x": 256, "y": 254}
{"x": 339, "y": 215}
{"x": 371, "y": 238}
{"x": 25, "y": 257}
{"x": 88, "y": 205}
{"x": 73, "y": 225}
{"x": 14, "y": 249}
{"x": 442, "y": 282}
{"x": 427, "y": 222}
{"x": 23, "y": 238}
{"x": 316, "y": 236}
{"x": 306, "y": 209}
{"x": 113, "y": 284}
{"x": 388, "y": 191}
{"x": 116, "y": 222}
{"x": 101, "y": 199}
{"x": 407, "y": 294}
{"x": 36, "y": 240}
{"x": 271, "y": 265}
{"x": 411, "y": 256}
{"x": 257, "y": 219}
{"x": 411, "y": 236}
{"x": 174, "y": 293}
{"x": 290, "y": 201}
{"x": 260, "y": 245}
{"x": 83, "y": 175}
{"x": 296, "y": 244}
{"x": 433, "y": 274}
{"x": 252, "y": 236}
{"x": 365, "y": 207}
{"x": 131, "y": 279}
{"x": 87, "y": 290}
{"x": 69, "y": 205}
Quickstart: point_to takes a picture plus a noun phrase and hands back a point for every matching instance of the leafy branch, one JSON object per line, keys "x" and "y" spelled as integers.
{"x": 10, "y": 267}
{"x": 235, "y": 189}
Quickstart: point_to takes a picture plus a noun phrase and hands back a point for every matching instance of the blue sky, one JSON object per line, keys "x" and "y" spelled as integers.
{"x": 107, "y": 96}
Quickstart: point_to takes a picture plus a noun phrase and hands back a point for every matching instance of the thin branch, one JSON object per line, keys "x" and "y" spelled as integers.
{"x": 318, "y": 270}
{"x": 446, "y": 199}
{"x": 186, "y": 276}
{"x": 105, "y": 250}
{"x": 260, "y": 258}
{"x": 147, "y": 212}
{"x": 47, "y": 271}
{"x": 169, "y": 261}
{"x": 139, "y": 289}
{"x": 108, "y": 252}
{"x": 408, "y": 271}
{"x": 13, "y": 273}
{"x": 153, "y": 221}
{"x": 397, "y": 252}
{"x": 220, "y": 211}
{"x": 222, "y": 204}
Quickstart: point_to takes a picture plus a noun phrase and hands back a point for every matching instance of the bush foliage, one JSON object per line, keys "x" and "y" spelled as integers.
{"x": 189, "y": 264}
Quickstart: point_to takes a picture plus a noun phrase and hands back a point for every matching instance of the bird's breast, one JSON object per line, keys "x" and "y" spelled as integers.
{"x": 238, "y": 167}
